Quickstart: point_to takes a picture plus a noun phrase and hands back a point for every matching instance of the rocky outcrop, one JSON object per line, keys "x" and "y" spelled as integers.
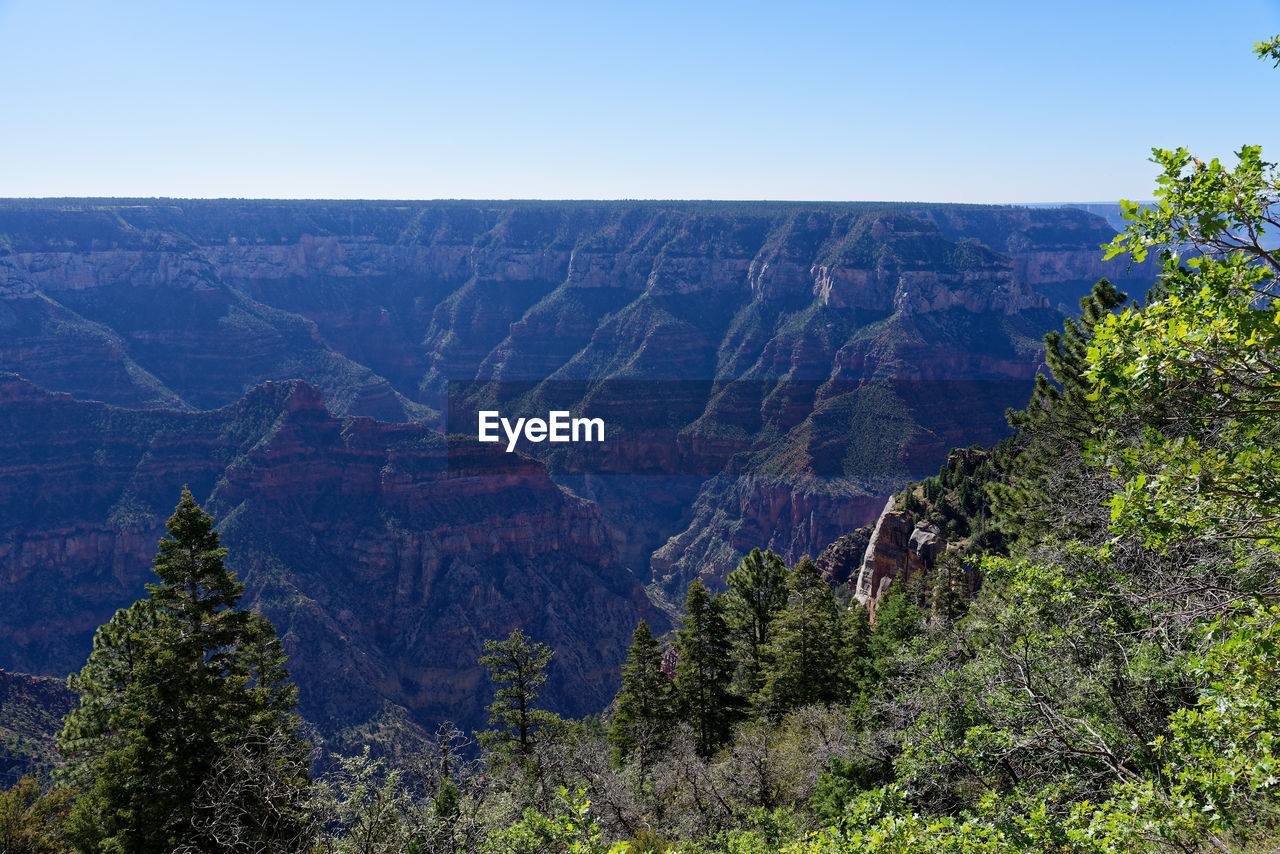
{"x": 840, "y": 562}
{"x": 886, "y": 543}
{"x": 905, "y": 552}
{"x": 924, "y": 545}
{"x": 898, "y": 550}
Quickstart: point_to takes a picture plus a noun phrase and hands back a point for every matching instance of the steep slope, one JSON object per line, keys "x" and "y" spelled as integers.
{"x": 382, "y": 572}
{"x": 31, "y": 710}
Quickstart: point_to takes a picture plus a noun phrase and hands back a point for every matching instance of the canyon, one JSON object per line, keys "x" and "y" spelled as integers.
{"x": 780, "y": 368}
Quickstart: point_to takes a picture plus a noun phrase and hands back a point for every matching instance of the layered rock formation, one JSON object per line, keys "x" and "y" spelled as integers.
{"x": 895, "y": 551}
{"x": 841, "y": 561}
{"x": 808, "y": 360}
{"x": 899, "y": 550}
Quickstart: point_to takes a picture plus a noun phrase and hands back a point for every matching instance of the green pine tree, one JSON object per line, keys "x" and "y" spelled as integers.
{"x": 950, "y": 589}
{"x": 807, "y": 659}
{"x": 898, "y": 620}
{"x": 857, "y": 649}
{"x": 518, "y": 666}
{"x": 645, "y": 712}
{"x": 1055, "y": 427}
{"x": 757, "y": 592}
{"x": 185, "y": 705}
{"x": 704, "y": 669}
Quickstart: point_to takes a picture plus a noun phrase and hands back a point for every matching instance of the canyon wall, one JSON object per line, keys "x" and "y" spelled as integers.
{"x": 294, "y": 361}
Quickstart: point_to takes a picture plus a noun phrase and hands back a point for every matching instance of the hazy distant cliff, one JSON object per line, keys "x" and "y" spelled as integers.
{"x": 862, "y": 342}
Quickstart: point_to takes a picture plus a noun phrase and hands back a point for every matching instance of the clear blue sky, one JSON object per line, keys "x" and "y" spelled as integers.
{"x": 922, "y": 101}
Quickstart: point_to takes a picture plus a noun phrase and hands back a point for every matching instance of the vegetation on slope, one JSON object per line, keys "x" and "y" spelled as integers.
{"x": 31, "y": 709}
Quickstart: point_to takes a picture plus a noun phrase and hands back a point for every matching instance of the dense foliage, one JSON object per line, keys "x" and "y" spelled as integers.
{"x": 184, "y": 736}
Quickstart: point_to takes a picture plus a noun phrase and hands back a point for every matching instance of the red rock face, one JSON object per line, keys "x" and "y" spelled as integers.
{"x": 793, "y": 520}
{"x": 887, "y": 556}
{"x": 840, "y": 562}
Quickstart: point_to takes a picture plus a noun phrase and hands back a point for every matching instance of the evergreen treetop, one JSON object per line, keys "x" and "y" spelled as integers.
{"x": 645, "y": 711}
{"x": 704, "y": 669}
{"x": 175, "y": 686}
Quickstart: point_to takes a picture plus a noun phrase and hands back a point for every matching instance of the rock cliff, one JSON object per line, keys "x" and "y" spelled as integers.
{"x": 840, "y": 562}
{"x": 898, "y": 550}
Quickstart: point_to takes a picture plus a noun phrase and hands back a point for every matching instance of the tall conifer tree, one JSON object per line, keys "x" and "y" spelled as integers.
{"x": 645, "y": 710}
{"x": 704, "y": 669}
{"x": 518, "y": 666}
{"x": 1055, "y": 427}
{"x": 807, "y": 654}
{"x": 174, "y": 685}
{"x": 757, "y": 592}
